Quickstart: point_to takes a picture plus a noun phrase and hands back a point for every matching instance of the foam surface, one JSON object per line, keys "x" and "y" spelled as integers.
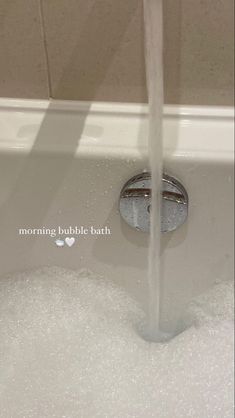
{"x": 69, "y": 348}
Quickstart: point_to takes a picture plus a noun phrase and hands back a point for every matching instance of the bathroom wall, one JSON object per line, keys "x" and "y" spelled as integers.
{"x": 94, "y": 49}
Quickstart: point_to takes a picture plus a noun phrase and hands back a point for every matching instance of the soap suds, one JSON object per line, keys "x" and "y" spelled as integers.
{"x": 69, "y": 349}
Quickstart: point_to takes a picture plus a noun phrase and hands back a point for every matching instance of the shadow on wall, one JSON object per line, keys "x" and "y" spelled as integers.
{"x": 41, "y": 178}
{"x": 89, "y": 60}
{"x": 172, "y": 13}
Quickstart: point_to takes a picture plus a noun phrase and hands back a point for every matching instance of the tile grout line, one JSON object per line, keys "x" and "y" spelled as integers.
{"x": 41, "y": 16}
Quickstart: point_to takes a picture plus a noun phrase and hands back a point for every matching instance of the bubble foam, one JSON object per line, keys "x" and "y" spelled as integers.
{"x": 69, "y": 348}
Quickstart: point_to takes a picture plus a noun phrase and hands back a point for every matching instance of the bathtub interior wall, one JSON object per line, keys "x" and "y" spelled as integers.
{"x": 65, "y": 165}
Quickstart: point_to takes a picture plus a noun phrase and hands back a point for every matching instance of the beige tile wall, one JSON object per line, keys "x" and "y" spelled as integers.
{"x": 23, "y": 70}
{"x": 95, "y": 50}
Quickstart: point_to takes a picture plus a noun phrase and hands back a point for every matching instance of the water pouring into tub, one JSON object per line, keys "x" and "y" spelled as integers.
{"x": 75, "y": 344}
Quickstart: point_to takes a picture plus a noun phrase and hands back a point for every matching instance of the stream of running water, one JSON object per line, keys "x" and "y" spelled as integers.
{"x": 153, "y": 19}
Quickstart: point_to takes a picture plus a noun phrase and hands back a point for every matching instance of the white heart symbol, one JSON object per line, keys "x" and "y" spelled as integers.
{"x": 70, "y": 241}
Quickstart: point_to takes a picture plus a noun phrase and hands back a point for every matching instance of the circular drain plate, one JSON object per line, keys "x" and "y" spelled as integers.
{"x": 135, "y": 203}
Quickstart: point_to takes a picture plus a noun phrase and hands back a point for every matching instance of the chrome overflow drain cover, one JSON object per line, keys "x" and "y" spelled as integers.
{"x": 135, "y": 203}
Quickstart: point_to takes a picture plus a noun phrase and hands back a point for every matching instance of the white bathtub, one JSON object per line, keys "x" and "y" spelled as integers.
{"x": 65, "y": 163}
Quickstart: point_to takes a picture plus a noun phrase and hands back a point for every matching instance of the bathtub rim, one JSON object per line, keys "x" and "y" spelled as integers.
{"x": 199, "y": 129}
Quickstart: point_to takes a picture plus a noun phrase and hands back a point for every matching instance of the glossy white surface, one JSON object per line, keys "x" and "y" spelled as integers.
{"x": 115, "y": 127}
{"x": 64, "y": 164}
